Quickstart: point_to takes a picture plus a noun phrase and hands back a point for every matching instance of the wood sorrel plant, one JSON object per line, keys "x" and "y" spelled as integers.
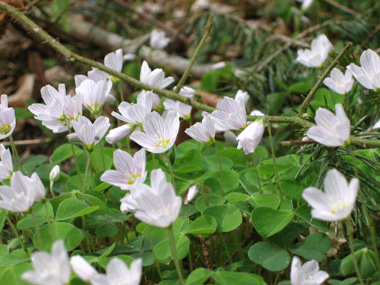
{"x": 120, "y": 221}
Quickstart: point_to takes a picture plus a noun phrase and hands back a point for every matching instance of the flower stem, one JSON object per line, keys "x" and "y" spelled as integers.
{"x": 195, "y": 54}
{"x": 120, "y": 90}
{"x": 76, "y": 164}
{"x": 49, "y": 221}
{"x": 274, "y": 160}
{"x": 257, "y": 174}
{"x": 154, "y": 255}
{"x": 170, "y": 170}
{"x": 352, "y": 248}
{"x": 16, "y": 233}
{"x": 51, "y": 188}
{"x": 221, "y": 169}
{"x": 37, "y": 230}
{"x": 174, "y": 254}
{"x": 15, "y": 154}
{"x": 314, "y": 89}
{"x": 102, "y": 155}
{"x": 86, "y": 172}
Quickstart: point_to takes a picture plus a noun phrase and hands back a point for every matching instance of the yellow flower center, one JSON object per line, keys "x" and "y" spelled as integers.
{"x": 162, "y": 142}
{"x": 339, "y": 206}
{"x": 5, "y": 129}
{"x": 132, "y": 178}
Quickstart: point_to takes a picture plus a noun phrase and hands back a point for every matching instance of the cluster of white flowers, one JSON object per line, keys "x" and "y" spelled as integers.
{"x": 54, "y": 268}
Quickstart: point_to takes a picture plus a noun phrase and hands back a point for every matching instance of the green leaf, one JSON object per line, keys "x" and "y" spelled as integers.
{"x": 300, "y": 87}
{"x": 227, "y": 217}
{"x": 269, "y": 256}
{"x": 366, "y": 260}
{"x": 230, "y": 178}
{"x": 212, "y": 163}
{"x": 275, "y": 101}
{"x": 269, "y": 169}
{"x": 72, "y": 208}
{"x": 190, "y": 162}
{"x": 108, "y": 251}
{"x": 163, "y": 252}
{"x": 106, "y": 230}
{"x": 64, "y": 152}
{"x": 202, "y": 225}
{"x": 314, "y": 247}
{"x": 292, "y": 187}
{"x": 226, "y": 278}
{"x": 268, "y": 221}
{"x": 71, "y": 235}
{"x": 212, "y": 200}
{"x": 32, "y": 162}
{"x": 40, "y": 214}
{"x": 286, "y": 237}
{"x": 22, "y": 113}
{"x": 266, "y": 200}
{"x": 198, "y": 276}
{"x": 12, "y": 274}
{"x": 304, "y": 212}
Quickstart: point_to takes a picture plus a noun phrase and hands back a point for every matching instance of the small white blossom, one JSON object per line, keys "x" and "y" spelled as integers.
{"x": 54, "y": 173}
{"x": 51, "y": 268}
{"x": 155, "y": 78}
{"x": 331, "y": 130}
{"x": 314, "y": 57}
{"x": 306, "y": 274}
{"x": 242, "y": 96}
{"x": 159, "y": 133}
{"x": 339, "y": 82}
{"x": 192, "y": 193}
{"x": 6, "y": 164}
{"x": 129, "y": 170}
{"x": 203, "y": 132}
{"x": 7, "y": 118}
{"x": 93, "y": 94}
{"x": 338, "y": 200}
{"x": 89, "y": 133}
{"x": 251, "y": 136}
{"x": 158, "y": 39}
{"x": 368, "y": 75}
{"x": 305, "y": 4}
{"x": 230, "y": 115}
{"x": 117, "y": 134}
{"x": 38, "y": 187}
{"x": 119, "y": 274}
{"x": 82, "y": 268}
{"x": 183, "y": 110}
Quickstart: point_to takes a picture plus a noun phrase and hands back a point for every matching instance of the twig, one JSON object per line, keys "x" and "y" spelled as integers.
{"x": 309, "y": 96}
{"x": 344, "y": 8}
{"x": 28, "y": 142}
{"x": 195, "y": 54}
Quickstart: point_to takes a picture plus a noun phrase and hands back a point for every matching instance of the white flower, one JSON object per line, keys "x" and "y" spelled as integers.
{"x": 230, "y": 115}
{"x": 331, "y": 130}
{"x": 320, "y": 48}
{"x": 155, "y": 78}
{"x": 93, "y": 94}
{"x": 54, "y": 173}
{"x": 51, "y": 268}
{"x": 6, "y": 164}
{"x": 307, "y": 274}
{"x": 242, "y": 96}
{"x": 157, "y": 205}
{"x": 159, "y": 133}
{"x": 158, "y": 39}
{"x": 203, "y": 132}
{"x": 82, "y": 268}
{"x": 135, "y": 113}
{"x": 128, "y": 203}
{"x": 339, "y": 82}
{"x": 119, "y": 274}
{"x": 368, "y": 74}
{"x": 230, "y": 137}
{"x": 117, "y": 134}
{"x": 377, "y": 125}
{"x": 183, "y": 110}
{"x": 305, "y": 4}
{"x": 114, "y": 60}
{"x": 7, "y": 118}
{"x": 19, "y": 196}
{"x": 60, "y": 109}
{"x": 38, "y": 187}
{"x": 192, "y": 192}
{"x": 89, "y": 133}
{"x": 250, "y": 138}
{"x": 129, "y": 170}
{"x": 338, "y": 200}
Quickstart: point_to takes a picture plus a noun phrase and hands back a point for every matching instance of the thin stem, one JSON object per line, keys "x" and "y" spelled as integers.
{"x": 16, "y": 233}
{"x": 221, "y": 169}
{"x": 203, "y": 194}
{"x": 120, "y": 90}
{"x": 313, "y": 90}
{"x": 154, "y": 255}
{"x": 170, "y": 170}
{"x": 257, "y": 174}
{"x": 37, "y": 231}
{"x": 15, "y": 154}
{"x": 274, "y": 160}
{"x": 195, "y": 54}
{"x": 352, "y": 248}
{"x": 102, "y": 155}
{"x": 76, "y": 164}
{"x": 221, "y": 237}
{"x": 51, "y": 188}
{"x": 49, "y": 221}
{"x": 238, "y": 244}
{"x": 175, "y": 256}
{"x": 86, "y": 172}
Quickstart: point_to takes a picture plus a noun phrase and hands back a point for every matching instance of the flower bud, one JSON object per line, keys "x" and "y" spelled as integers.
{"x": 54, "y": 174}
